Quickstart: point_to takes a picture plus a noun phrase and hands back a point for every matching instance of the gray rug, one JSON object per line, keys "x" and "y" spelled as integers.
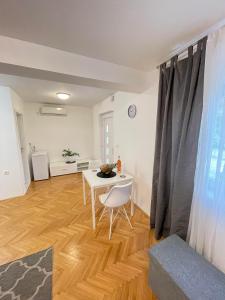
{"x": 27, "y": 278}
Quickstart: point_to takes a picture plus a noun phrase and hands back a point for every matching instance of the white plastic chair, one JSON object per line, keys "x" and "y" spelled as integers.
{"x": 117, "y": 197}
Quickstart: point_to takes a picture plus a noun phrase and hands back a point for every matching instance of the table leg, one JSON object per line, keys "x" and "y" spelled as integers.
{"x": 93, "y": 206}
{"x": 84, "y": 191}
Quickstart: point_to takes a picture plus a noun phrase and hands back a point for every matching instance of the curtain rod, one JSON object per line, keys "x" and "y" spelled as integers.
{"x": 178, "y": 53}
{"x": 194, "y": 41}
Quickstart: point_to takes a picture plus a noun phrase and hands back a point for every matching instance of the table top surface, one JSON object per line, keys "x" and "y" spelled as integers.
{"x": 95, "y": 181}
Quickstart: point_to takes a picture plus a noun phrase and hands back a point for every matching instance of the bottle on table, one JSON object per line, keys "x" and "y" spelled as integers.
{"x": 118, "y": 165}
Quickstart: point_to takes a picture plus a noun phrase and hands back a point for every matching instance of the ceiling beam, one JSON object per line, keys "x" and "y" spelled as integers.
{"x": 26, "y": 59}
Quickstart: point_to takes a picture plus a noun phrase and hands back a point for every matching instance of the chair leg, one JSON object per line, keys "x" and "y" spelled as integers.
{"x": 111, "y": 221}
{"x": 102, "y": 214}
{"x": 118, "y": 211}
{"x": 127, "y": 217}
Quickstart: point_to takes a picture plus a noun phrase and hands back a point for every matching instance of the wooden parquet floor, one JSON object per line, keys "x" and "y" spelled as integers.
{"x": 87, "y": 266}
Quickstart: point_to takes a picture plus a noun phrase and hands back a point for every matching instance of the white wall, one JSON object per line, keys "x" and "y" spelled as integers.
{"x": 134, "y": 139}
{"x": 55, "y": 133}
{"x": 12, "y": 181}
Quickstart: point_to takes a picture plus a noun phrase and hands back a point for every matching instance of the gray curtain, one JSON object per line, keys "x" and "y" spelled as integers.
{"x": 178, "y": 123}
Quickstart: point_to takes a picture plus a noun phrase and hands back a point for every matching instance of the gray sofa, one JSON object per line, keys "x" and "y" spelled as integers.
{"x": 177, "y": 272}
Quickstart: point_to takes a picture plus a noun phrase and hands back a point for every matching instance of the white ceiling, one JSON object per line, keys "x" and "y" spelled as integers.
{"x": 135, "y": 33}
{"x": 43, "y": 91}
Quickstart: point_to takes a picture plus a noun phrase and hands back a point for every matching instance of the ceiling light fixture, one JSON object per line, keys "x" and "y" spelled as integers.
{"x": 63, "y": 96}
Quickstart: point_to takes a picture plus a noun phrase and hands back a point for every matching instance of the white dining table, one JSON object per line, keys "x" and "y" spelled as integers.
{"x": 95, "y": 182}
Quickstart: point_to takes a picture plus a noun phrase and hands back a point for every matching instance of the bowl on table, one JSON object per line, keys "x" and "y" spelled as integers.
{"x": 107, "y": 168}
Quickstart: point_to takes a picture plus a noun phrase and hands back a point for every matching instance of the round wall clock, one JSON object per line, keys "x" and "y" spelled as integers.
{"x": 132, "y": 111}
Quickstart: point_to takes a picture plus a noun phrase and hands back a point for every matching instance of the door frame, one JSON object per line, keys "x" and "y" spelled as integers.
{"x": 22, "y": 148}
{"x": 102, "y": 134}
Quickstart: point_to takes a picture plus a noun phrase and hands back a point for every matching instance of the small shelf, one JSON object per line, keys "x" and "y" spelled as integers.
{"x": 82, "y": 165}
{"x": 82, "y": 169}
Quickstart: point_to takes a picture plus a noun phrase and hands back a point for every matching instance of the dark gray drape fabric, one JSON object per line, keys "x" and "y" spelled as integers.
{"x": 178, "y": 123}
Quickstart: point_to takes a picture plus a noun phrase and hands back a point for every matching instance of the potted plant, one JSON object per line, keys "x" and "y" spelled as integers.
{"x": 69, "y": 156}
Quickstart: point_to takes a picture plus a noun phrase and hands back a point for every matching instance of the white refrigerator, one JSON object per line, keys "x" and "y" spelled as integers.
{"x": 40, "y": 165}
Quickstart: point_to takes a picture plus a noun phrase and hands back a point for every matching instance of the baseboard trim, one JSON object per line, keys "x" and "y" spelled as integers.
{"x": 136, "y": 205}
{"x": 27, "y": 186}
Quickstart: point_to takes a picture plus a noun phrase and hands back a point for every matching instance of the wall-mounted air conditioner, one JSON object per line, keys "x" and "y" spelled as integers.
{"x": 53, "y": 110}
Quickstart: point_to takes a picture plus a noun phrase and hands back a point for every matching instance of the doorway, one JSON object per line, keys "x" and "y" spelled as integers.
{"x": 22, "y": 145}
{"x": 107, "y": 137}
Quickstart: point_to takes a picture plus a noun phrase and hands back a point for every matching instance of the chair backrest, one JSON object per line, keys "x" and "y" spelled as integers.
{"x": 119, "y": 195}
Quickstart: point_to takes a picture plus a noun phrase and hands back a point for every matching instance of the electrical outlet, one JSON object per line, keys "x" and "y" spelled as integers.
{"x": 6, "y": 172}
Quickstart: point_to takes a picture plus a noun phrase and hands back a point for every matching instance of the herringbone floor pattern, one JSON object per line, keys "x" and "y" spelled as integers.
{"x": 87, "y": 266}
